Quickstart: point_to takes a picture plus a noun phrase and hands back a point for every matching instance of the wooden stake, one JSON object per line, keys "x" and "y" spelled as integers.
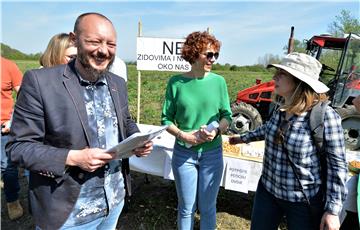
{"x": 139, "y": 80}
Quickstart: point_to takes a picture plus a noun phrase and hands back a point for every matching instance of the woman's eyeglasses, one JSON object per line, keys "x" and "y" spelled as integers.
{"x": 280, "y": 133}
{"x": 211, "y": 55}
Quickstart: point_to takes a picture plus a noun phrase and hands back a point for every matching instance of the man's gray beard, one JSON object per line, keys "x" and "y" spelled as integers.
{"x": 92, "y": 74}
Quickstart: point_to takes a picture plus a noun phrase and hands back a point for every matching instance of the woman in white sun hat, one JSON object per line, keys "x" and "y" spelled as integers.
{"x": 290, "y": 183}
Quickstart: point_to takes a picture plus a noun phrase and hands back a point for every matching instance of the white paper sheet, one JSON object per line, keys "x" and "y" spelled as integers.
{"x": 124, "y": 148}
{"x": 237, "y": 175}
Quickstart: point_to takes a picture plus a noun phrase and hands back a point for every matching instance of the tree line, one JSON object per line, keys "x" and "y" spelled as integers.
{"x": 14, "y": 54}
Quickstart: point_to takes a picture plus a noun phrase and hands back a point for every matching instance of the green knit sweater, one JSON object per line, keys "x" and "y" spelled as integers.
{"x": 193, "y": 102}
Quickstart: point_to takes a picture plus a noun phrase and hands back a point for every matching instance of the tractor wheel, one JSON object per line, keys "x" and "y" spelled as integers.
{"x": 244, "y": 118}
{"x": 350, "y": 123}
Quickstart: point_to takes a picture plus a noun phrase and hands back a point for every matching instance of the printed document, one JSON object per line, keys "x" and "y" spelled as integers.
{"x": 125, "y": 147}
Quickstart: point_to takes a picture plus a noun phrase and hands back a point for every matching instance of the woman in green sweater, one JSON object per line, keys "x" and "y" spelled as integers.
{"x": 193, "y": 100}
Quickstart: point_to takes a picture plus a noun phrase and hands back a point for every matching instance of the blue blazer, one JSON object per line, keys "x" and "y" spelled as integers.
{"x": 49, "y": 120}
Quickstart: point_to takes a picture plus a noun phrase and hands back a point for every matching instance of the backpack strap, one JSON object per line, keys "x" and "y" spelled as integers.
{"x": 317, "y": 116}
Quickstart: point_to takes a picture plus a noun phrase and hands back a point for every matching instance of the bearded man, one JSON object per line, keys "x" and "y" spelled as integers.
{"x": 64, "y": 119}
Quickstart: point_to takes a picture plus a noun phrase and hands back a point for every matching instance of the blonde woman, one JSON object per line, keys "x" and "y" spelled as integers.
{"x": 60, "y": 50}
{"x": 290, "y": 182}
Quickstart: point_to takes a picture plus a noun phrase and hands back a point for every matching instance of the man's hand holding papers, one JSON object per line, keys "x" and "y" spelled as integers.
{"x": 139, "y": 144}
{"x": 144, "y": 150}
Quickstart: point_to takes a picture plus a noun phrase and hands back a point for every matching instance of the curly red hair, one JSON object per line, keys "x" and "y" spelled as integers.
{"x": 197, "y": 42}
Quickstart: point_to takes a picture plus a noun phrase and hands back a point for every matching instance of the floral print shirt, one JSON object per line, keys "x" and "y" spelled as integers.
{"x": 96, "y": 200}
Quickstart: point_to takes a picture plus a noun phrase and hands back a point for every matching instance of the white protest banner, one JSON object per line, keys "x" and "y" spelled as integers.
{"x": 237, "y": 174}
{"x": 162, "y": 54}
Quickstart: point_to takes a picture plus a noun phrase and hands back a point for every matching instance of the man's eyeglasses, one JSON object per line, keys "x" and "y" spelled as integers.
{"x": 211, "y": 55}
{"x": 280, "y": 133}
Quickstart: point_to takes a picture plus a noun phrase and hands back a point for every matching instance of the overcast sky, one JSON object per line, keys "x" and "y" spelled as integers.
{"x": 247, "y": 29}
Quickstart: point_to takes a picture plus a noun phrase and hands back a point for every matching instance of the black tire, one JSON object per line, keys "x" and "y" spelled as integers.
{"x": 246, "y": 111}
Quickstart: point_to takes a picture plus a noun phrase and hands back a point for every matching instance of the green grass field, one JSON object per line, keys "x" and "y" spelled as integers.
{"x": 153, "y": 85}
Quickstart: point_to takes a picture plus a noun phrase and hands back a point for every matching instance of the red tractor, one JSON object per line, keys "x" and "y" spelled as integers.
{"x": 341, "y": 72}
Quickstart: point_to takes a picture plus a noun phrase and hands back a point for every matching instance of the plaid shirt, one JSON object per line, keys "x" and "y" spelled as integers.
{"x": 277, "y": 175}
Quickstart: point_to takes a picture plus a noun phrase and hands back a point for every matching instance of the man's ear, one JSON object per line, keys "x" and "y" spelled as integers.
{"x": 73, "y": 39}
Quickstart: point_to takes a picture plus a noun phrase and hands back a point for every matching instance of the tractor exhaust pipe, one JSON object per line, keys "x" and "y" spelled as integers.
{"x": 291, "y": 41}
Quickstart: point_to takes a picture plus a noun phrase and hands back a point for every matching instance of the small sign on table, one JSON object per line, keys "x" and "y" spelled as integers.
{"x": 237, "y": 175}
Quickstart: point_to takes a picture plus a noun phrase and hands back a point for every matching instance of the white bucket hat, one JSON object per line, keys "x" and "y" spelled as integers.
{"x": 305, "y": 68}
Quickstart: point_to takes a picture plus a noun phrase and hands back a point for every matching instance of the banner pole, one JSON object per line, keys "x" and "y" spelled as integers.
{"x": 139, "y": 80}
